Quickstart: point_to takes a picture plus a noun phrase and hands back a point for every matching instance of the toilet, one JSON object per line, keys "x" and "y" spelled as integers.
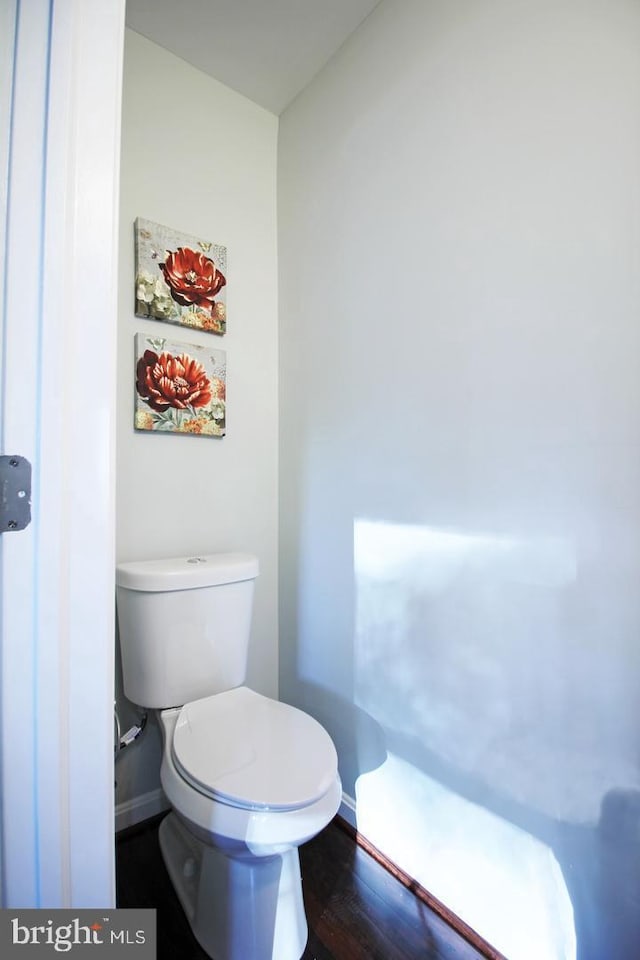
{"x": 248, "y": 778}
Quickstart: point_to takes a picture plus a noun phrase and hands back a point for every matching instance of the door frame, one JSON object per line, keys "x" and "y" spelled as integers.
{"x": 61, "y": 159}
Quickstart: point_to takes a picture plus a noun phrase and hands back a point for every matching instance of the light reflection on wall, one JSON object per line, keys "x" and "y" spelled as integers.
{"x": 452, "y": 637}
{"x": 462, "y": 642}
{"x": 503, "y": 882}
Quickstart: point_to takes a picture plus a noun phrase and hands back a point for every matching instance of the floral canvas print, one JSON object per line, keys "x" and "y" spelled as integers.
{"x": 180, "y": 387}
{"x": 179, "y": 278}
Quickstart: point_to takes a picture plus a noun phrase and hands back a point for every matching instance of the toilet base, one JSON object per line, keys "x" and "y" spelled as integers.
{"x": 239, "y": 907}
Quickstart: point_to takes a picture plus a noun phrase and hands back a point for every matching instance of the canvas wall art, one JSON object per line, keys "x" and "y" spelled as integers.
{"x": 179, "y": 278}
{"x": 180, "y": 387}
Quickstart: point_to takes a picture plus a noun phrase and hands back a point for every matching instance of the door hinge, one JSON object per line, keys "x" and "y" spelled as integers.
{"x": 15, "y": 493}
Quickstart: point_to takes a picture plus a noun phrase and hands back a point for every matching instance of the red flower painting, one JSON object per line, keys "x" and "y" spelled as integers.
{"x": 180, "y": 278}
{"x": 172, "y": 381}
{"x": 192, "y": 278}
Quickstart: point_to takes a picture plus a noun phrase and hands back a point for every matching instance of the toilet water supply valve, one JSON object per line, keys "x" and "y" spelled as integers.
{"x": 122, "y": 740}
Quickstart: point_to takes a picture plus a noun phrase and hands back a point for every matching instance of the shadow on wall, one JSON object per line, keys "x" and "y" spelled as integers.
{"x": 601, "y": 866}
{"x": 618, "y": 877}
{"x": 359, "y": 739}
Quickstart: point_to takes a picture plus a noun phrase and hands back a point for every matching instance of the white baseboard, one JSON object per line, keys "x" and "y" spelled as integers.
{"x": 348, "y": 810}
{"x": 140, "y": 808}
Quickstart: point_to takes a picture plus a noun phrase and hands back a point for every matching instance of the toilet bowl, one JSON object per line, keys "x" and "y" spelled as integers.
{"x": 249, "y": 780}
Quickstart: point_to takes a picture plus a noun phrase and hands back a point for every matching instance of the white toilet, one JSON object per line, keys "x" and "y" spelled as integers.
{"x": 249, "y": 779}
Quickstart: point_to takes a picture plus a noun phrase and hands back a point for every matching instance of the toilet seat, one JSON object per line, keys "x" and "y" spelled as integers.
{"x": 246, "y": 750}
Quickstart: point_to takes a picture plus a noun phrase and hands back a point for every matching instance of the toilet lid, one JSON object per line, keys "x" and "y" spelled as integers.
{"x": 250, "y": 751}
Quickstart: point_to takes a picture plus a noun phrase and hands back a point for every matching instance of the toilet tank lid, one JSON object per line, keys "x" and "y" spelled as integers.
{"x": 186, "y": 573}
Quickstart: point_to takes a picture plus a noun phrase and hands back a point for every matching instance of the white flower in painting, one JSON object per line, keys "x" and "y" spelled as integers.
{"x": 145, "y": 284}
{"x": 164, "y": 307}
{"x": 217, "y": 408}
{"x": 212, "y": 429}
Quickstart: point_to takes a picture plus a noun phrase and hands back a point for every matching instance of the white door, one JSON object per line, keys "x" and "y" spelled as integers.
{"x": 60, "y": 91}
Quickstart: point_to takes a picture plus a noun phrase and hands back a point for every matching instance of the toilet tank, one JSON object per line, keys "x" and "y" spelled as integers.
{"x": 184, "y": 626}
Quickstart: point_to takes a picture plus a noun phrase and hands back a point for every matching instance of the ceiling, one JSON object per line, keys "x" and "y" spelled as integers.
{"x": 268, "y": 50}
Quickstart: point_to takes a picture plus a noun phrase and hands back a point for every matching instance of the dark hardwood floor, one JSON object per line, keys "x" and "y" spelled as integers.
{"x": 356, "y": 910}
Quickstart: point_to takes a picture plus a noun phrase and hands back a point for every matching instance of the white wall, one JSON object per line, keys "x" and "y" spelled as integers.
{"x": 459, "y": 200}
{"x": 199, "y": 157}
